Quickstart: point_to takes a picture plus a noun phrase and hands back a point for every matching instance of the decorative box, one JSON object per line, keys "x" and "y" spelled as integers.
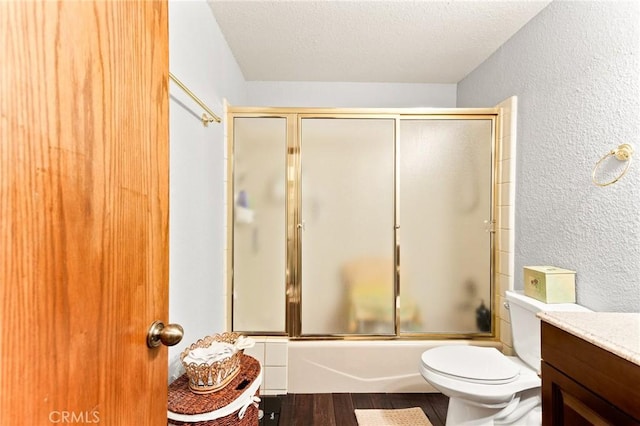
{"x": 550, "y": 284}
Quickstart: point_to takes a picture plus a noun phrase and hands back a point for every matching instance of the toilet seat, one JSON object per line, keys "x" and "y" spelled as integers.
{"x": 487, "y": 393}
{"x": 472, "y": 364}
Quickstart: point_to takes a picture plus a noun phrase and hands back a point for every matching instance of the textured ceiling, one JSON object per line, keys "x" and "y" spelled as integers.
{"x": 367, "y": 41}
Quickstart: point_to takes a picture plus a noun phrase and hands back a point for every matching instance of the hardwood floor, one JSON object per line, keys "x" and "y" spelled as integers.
{"x": 336, "y": 409}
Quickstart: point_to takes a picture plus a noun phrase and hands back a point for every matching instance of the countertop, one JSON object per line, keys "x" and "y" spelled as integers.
{"x": 618, "y": 333}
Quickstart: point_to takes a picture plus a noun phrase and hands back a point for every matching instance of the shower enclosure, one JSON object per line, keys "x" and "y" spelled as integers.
{"x": 353, "y": 223}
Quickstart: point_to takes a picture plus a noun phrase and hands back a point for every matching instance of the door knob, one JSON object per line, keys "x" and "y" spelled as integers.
{"x": 168, "y": 335}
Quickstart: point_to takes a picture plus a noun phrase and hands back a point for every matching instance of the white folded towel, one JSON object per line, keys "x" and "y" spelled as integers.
{"x": 217, "y": 351}
{"x": 244, "y": 342}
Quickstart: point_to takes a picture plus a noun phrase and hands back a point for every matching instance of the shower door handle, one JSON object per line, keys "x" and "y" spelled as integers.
{"x": 489, "y": 225}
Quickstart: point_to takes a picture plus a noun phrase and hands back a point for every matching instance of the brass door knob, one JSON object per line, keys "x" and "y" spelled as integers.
{"x": 168, "y": 335}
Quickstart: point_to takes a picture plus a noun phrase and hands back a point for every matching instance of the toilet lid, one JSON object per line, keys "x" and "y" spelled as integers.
{"x": 471, "y": 363}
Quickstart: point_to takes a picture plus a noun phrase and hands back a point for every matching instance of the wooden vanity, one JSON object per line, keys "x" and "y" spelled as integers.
{"x": 590, "y": 368}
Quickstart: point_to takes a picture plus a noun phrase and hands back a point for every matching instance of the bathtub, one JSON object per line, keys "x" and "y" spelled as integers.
{"x": 330, "y": 366}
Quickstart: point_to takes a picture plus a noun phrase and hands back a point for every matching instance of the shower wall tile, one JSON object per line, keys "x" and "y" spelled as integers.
{"x": 505, "y": 149}
{"x": 503, "y": 194}
{"x": 504, "y": 284}
{"x": 498, "y": 239}
{"x": 504, "y": 313}
{"x": 275, "y": 378}
{"x": 257, "y": 352}
{"x": 506, "y": 193}
{"x": 272, "y": 352}
{"x": 276, "y": 353}
{"x": 505, "y": 171}
{"x": 506, "y": 214}
{"x": 505, "y": 217}
{"x": 498, "y": 175}
{"x": 499, "y": 195}
{"x": 504, "y": 240}
{"x": 507, "y": 125}
{"x": 505, "y": 264}
{"x": 505, "y": 333}
{"x": 507, "y": 174}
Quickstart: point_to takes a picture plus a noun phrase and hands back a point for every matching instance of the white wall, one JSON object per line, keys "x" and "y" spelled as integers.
{"x": 576, "y": 71}
{"x": 350, "y": 95}
{"x": 200, "y": 57}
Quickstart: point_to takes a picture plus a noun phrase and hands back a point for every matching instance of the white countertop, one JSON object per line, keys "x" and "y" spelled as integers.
{"x": 618, "y": 333}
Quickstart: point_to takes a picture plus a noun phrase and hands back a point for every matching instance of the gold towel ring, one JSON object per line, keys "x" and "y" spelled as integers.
{"x": 622, "y": 153}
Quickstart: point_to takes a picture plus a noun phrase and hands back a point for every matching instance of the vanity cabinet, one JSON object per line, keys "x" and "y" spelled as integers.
{"x": 584, "y": 384}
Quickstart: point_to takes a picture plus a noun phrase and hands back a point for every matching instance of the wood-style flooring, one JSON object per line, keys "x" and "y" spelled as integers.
{"x": 336, "y": 409}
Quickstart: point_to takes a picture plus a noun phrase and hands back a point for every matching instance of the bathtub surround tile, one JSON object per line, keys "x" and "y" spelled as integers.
{"x": 257, "y": 352}
{"x": 505, "y": 242}
{"x": 507, "y": 193}
{"x": 505, "y": 171}
{"x": 504, "y": 284}
{"x": 276, "y": 353}
{"x": 499, "y": 163}
{"x": 506, "y": 148}
{"x": 502, "y": 195}
{"x": 505, "y": 263}
{"x": 505, "y": 333}
{"x": 506, "y": 121}
{"x": 272, "y": 352}
{"x": 275, "y": 378}
{"x": 504, "y": 312}
{"x": 498, "y": 239}
{"x": 505, "y": 217}
{"x": 505, "y": 200}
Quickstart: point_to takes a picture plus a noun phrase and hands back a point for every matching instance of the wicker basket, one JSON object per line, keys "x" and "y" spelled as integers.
{"x": 187, "y": 408}
{"x": 204, "y": 378}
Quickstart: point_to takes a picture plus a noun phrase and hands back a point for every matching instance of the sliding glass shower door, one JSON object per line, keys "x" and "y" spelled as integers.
{"x": 445, "y": 230}
{"x": 259, "y": 224}
{"x": 362, "y": 224}
{"x": 347, "y": 230}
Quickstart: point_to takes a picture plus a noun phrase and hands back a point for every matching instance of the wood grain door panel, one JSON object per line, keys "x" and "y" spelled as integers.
{"x": 84, "y": 211}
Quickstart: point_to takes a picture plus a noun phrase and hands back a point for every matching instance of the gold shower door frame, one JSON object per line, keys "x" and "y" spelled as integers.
{"x": 293, "y": 208}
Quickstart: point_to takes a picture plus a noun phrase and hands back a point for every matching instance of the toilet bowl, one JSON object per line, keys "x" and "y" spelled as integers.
{"x": 486, "y": 387}
{"x": 483, "y": 385}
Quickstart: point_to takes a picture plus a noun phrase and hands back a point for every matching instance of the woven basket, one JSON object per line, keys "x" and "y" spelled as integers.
{"x": 183, "y": 401}
{"x": 204, "y": 378}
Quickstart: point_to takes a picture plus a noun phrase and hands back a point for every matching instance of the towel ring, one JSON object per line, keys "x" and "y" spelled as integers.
{"x": 622, "y": 153}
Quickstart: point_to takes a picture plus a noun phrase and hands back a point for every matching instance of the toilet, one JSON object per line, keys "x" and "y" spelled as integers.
{"x": 486, "y": 387}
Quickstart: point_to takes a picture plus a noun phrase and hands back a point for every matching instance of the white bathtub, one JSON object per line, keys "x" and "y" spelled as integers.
{"x": 361, "y": 366}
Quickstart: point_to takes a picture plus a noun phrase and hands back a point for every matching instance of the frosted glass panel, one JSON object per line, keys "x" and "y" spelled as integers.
{"x": 445, "y": 199}
{"x": 348, "y": 215}
{"x": 259, "y": 235}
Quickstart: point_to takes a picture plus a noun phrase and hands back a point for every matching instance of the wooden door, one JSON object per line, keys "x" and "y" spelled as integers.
{"x": 83, "y": 211}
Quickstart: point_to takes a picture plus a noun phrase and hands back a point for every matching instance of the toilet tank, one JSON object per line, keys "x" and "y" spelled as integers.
{"x": 525, "y": 325}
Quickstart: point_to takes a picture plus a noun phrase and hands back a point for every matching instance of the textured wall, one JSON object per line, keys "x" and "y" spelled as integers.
{"x": 576, "y": 71}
